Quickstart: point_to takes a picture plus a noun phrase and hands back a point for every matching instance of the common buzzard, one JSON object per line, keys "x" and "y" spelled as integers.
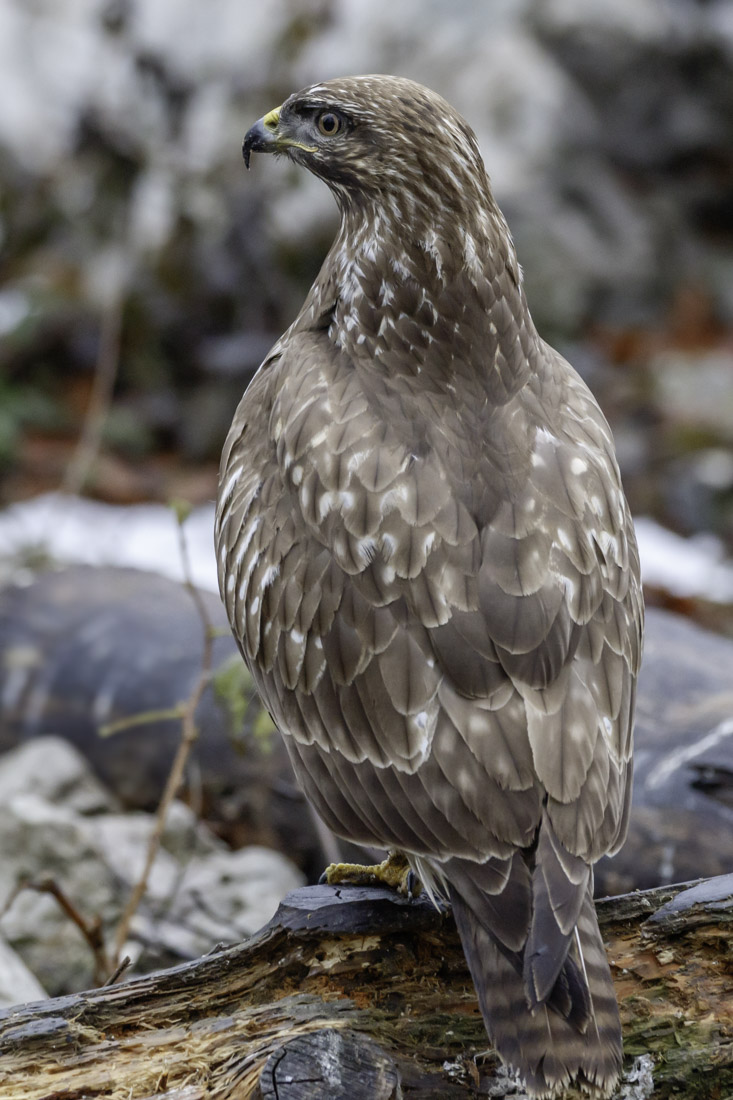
{"x": 429, "y": 564}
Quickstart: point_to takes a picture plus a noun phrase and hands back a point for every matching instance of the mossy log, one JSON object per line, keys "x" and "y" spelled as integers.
{"x": 357, "y": 993}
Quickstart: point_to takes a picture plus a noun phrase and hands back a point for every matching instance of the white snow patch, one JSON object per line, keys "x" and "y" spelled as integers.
{"x": 695, "y": 566}
{"x": 144, "y": 536}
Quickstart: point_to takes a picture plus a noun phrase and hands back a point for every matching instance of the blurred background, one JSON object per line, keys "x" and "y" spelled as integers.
{"x": 130, "y": 233}
{"x": 144, "y": 274}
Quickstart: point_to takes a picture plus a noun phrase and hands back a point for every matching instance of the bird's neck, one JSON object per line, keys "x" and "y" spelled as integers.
{"x": 428, "y": 297}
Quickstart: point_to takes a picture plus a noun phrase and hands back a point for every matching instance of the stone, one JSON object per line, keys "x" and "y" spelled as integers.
{"x": 85, "y": 646}
{"x": 17, "y": 984}
{"x": 198, "y": 891}
{"x": 54, "y": 770}
{"x": 40, "y": 840}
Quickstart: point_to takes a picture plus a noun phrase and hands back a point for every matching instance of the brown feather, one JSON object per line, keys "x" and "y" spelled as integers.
{"x": 429, "y": 564}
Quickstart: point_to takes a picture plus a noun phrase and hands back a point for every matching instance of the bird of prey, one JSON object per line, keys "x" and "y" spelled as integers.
{"x": 428, "y": 561}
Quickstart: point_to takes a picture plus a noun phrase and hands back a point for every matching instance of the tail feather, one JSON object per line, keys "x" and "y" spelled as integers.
{"x": 559, "y": 885}
{"x": 575, "y": 1034}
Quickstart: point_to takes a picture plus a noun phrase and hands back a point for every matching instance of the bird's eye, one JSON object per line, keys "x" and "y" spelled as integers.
{"x": 329, "y": 123}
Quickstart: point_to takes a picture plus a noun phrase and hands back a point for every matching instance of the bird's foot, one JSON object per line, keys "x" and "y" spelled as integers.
{"x": 394, "y": 872}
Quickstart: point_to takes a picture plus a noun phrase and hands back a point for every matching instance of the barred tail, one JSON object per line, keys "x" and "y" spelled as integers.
{"x": 575, "y": 1035}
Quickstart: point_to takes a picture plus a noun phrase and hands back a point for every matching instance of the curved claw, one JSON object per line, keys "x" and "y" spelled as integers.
{"x": 413, "y": 886}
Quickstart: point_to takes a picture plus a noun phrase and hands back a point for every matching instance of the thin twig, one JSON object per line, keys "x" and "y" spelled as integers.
{"x": 143, "y": 718}
{"x": 78, "y": 470}
{"x": 118, "y": 971}
{"x": 189, "y": 734}
{"x": 210, "y": 631}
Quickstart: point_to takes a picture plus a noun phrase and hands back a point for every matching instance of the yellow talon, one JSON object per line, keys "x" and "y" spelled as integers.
{"x": 394, "y": 872}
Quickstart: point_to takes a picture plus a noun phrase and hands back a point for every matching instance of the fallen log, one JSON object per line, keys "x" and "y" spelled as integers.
{"x": 355, "y": 992}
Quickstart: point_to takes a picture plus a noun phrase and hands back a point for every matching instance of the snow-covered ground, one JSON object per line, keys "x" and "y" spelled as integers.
{"x": 72, "y": 530}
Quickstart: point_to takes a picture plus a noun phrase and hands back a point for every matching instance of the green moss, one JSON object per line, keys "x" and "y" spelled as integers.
{"x": 233, "y": 688}
{"x": 666, "y": 1036}
{"x": 263, "y": 729}
{"x": 235, "y": 691}
{"x": 457, "y": 1031}
{"x": 694, "y": 1075}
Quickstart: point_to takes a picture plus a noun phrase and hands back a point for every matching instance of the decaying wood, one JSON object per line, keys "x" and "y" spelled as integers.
{"x": 356, "y": 993}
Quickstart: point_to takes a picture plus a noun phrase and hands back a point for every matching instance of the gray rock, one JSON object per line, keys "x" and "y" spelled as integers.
{"x": 681, "y": 824}
{"x": 198, "y": 892}
{"x": 17, "y": 984}
{"x": 681, "y": 814}
{"x": 122, "y": 840}
{"x": 54, "y": 770}
{"x": 39, "y": 840}
{"x": 84, "y": 646}
{"x": 221, "y": 898}
{"x": 230, "y": 895}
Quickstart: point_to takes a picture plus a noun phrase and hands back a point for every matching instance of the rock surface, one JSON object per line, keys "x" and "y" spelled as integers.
{"x": 200, "y": 893}
{"x": 18, "y": 984}
{"x": 83, "y": 647}
{"x": 682, "y": 812}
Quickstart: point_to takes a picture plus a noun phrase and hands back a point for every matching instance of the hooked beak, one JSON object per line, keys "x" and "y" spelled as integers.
{"x": 267, "y": 136}
{"x": 262, "y": 137}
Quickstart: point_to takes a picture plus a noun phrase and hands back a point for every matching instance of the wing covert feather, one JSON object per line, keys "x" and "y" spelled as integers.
{"x": 506, "y": 613}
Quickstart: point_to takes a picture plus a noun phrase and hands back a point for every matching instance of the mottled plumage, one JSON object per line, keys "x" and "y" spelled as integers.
{"x": 428, "y": 561}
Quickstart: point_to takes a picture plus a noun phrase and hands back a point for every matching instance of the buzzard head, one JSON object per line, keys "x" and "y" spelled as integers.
{"x": 375, "y": 137}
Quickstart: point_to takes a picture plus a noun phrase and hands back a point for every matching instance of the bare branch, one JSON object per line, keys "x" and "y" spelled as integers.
{"x": 91, "y": 930}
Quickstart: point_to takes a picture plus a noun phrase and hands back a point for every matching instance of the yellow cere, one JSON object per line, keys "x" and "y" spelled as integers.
{"x": 271, "y": 119}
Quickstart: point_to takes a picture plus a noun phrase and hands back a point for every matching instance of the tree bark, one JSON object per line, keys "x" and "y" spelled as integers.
{"x": 354, "y": 992}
